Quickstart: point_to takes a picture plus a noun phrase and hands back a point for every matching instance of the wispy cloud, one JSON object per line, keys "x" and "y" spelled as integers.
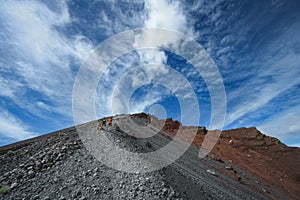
{"x": 160, "y": 14}
{"x": 276, "y": 72}
{"x": 284, "y": 124}
{"x": 14, "y": 128}
{"x": 37, "y": 72}
{"x": 42, "y": 56}
{"x": 114, "y": 16}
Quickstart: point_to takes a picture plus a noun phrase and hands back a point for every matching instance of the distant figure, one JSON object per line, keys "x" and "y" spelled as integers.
{"x": 110, "y": 121}
{"x": 103, "y": 122}
{"x": 100, "y": 128}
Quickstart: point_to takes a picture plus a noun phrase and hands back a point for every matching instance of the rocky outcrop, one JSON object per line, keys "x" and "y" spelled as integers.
{"x": 264, "y": 156}
{"x": 251, "y": 137}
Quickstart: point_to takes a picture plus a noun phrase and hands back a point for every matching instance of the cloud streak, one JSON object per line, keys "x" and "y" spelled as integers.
{"x": 13, "y": 128}
{"x": 36, "y": 73}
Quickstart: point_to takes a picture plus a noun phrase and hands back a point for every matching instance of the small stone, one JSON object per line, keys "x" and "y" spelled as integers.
{"x": 78, "y": 193}
{"x": 13, "y": 185}
{"x": 62, "y": 198}
{"x": 248, "y": 156}
{"x": 30, "y": 167}
{"x": 142, "y": 189}
{"x": 165, "y": 190}
{"x": 6, "y": 174}
{"x": 228, "y": 167}
{"x": 172, "y": 194}
{"x": 73, "y": 183}
{"x": 264, "y": 190}
{"x": 38, "y": 164}
{"x": 59, "y": 156}
{"x": 31, "y": 174}
{"x": 96, "y": 190}
{"x": 19, "y": 176}
{"x": 212, "y": 172}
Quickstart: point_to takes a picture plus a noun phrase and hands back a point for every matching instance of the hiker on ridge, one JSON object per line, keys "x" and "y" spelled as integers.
{"x": 110, "y": 121}
{"x": 103, "y": 122}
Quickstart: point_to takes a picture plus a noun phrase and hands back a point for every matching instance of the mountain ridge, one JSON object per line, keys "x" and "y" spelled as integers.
{"x": 236, "y": 150}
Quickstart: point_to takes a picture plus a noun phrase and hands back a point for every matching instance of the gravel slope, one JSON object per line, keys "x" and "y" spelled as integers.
{"x": 58, "y": 166}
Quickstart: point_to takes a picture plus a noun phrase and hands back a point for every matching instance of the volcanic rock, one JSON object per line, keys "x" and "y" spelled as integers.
{"x": 59, "y": 166}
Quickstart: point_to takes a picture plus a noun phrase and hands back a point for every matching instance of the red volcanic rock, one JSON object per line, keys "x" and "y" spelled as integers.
{"x": 165, "y": 125}
{"x": 171, "y": 125}
{"x": 263, "y": 156}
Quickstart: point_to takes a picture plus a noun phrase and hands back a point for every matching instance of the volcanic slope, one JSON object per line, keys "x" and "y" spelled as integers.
{"x": 249, "y": 149}
{"x": 59, "y": 166}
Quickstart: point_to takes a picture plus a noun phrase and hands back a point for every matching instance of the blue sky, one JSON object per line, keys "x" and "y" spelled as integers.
{"x": 254, "y": 44}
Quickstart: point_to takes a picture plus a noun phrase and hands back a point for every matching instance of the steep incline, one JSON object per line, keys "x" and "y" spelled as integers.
{"x": 58, "y": 166}
{"x": 249, "y": 149}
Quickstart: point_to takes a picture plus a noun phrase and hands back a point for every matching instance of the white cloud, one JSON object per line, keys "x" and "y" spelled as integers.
{"x": 31, "y": 25}
{"x": 276, "y": 71}
{"x": 166, "y": 14}
{"x": 158, "y": 14}
{"x": 284, "y": 125}
{"x": 118, "y": 17}
{"x": 8, "y": 88}
{"x": 37, "y": 71}
{"x": 255, "y": 94}
{"x": 42, "y": 54}
{"x": 156, "y": 74}
{"x": 250, "y": 95}
{"x": 13, "y": 128}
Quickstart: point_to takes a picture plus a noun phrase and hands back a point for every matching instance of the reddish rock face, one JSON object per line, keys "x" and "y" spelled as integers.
{"x": 202, "y": 130}
{"x": 263, "y": 156}
{"x": 165, "y": 125}
{"x": 170, "y": 125}
{"x": 247, "y": 148}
